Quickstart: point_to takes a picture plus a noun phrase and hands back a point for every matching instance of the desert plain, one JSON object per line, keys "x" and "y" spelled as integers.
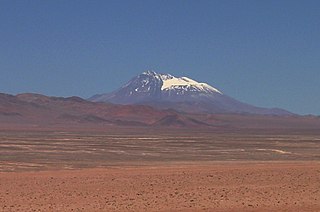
{"x": 149, "y": 169}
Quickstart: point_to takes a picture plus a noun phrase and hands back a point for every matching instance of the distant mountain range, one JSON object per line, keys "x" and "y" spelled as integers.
{"x": 25, "y": 111}
{"x": 41, "y": 111}
{"x": 165, "y": 91}
{"x": 148, "y": 100}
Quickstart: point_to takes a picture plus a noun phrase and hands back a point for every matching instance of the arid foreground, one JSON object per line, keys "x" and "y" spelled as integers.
{"x": 59, "y": 171}
{"x": 215, "y": 187}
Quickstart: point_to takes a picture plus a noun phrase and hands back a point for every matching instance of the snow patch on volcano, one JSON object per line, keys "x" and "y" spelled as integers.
{"x": 170, "y": 82}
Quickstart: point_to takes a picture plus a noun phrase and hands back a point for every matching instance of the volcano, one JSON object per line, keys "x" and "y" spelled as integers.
{"x": 182, "y": 94}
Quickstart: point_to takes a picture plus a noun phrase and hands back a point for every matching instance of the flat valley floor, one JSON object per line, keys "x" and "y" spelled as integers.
{"x": 152, "y": 170}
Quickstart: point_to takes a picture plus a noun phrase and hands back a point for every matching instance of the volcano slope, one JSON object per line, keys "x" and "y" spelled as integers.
{"x": 182, "y": 94}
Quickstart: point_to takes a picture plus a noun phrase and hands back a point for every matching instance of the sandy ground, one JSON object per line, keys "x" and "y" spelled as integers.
{"x": 38, "y": 150}
{"x": 219, "y": 186}
{"x": 142, "y": 170}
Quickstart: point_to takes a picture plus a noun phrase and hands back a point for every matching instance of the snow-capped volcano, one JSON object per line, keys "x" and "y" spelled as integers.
{"x": 160, "y": 87}
{"x": 178, "y": 93}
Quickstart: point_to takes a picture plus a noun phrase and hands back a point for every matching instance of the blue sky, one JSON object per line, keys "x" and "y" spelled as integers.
{"x": 265, "y": 53}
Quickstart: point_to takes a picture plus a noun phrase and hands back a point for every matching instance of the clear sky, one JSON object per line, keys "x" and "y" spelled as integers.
{"x": 265, "y": 53}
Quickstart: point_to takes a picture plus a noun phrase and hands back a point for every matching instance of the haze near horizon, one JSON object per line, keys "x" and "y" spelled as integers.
{"x": 263, "y": 53}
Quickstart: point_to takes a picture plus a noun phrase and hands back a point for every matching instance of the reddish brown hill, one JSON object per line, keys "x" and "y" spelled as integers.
{"x": 176, "y": 120}
{"x": 74, "y": 107}
{"x": 39, "y": 111}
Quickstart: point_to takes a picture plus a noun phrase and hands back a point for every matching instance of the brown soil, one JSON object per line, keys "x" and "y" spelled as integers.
{"x": 56, "y": 150}
{"x": 218, "y": 186}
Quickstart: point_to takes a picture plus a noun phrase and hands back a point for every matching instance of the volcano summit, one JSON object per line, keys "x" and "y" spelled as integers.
{"x": 183, "y": 94}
